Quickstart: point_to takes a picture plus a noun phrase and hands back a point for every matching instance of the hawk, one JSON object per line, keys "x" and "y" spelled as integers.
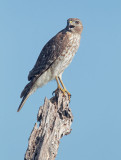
{"x": 54, "y": 58}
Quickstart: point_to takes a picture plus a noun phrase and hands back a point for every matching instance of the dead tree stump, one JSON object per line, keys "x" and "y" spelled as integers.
{"x": 55, "y": 120}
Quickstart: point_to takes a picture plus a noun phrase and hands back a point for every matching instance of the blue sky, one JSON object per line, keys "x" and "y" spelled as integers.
{"x": 93, "y": 78}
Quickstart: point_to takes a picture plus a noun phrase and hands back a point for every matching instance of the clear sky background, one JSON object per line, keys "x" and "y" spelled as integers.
{"x": 93, "y": 78}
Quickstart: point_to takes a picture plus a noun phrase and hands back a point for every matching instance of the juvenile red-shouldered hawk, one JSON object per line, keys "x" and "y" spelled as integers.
{"x": 54, "y": 58}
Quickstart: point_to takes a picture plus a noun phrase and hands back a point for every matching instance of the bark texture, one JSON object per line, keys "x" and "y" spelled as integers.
{"x": 55, "y": 120}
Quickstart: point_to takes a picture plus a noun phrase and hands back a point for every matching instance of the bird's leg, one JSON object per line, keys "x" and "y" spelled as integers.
{"x": 59, "y": 87}
{"x": 64, "y": 88}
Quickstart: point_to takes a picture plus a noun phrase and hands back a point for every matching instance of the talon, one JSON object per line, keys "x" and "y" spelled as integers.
{"x": 64, "y": 93}
{"x": 55, "y": 91}
{"x": 69, "y": 94}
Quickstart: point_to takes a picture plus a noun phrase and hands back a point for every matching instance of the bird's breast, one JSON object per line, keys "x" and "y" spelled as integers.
{"x": 66, "y": 55}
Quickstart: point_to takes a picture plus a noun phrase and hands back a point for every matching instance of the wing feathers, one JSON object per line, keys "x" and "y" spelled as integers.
{"x": 51, "y": 51}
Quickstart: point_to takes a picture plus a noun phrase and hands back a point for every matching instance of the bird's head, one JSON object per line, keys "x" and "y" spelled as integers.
{"x": 74, "y": 25}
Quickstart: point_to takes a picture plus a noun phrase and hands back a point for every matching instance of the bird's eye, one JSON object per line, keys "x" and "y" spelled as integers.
{"x": 77, "y": 22}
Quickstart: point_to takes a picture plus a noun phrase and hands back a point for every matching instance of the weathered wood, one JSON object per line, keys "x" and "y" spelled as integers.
{"x": 55, "y": 120}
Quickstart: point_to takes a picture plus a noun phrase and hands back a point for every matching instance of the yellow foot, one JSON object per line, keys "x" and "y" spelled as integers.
{"x": 65, "y": 91}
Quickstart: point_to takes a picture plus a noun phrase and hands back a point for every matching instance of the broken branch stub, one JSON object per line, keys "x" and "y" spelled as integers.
{"x": 55, "y": 119}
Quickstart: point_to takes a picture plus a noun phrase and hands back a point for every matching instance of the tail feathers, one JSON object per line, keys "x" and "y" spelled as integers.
{"x": 28, "y": 90}
{"x": 23, "y": 101}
